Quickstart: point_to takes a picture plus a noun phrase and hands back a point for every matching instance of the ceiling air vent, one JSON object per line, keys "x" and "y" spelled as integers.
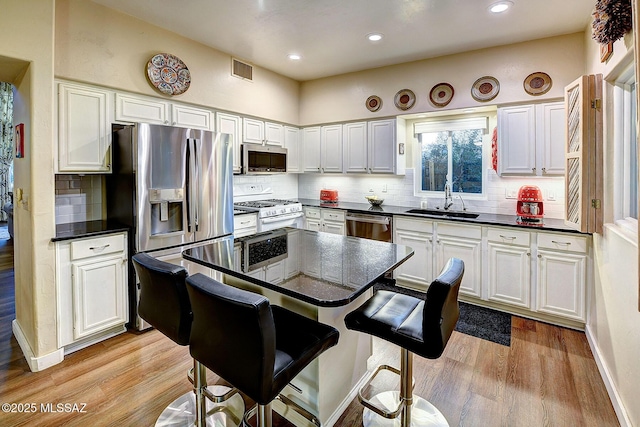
{"x": 241, "y": 70}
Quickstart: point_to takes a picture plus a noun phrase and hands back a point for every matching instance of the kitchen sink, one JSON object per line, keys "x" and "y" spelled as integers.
{"x": 438, "y": 212}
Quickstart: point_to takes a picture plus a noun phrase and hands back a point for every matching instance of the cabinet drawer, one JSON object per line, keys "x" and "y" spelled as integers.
{"x": 509, "y": 236}
{"x": 417, "y": 225}
{"x": 312, "y": 213}
{"x": 332, "y": 215}
{"x": 457, "y": 230}
{"x": 97, "y": 246}
{"x": 244, "y": 221}
{"x": 562, "y": 242}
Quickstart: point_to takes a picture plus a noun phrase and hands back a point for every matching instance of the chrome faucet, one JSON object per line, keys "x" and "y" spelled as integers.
{"x": 448, "y": 200}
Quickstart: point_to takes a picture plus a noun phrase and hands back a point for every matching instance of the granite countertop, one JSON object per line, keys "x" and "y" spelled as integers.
{"x": 549, "y": 224}
{"x": 332, "y": 270}
{"x": 76, "y": 230}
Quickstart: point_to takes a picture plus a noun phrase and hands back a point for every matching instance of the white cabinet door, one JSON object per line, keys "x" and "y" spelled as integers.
{"x": 134, "y": 109}
{"x": 245, "y": 224}
{"x": 274, "y": 273}
{"x": 464, "y": 242}
{"x": 331, "y": 148}
{"x": 334, "y": 227}
{"x": 253, "y": 131}
{"x": 531, "y": 139}
{"x": 84, "y": 131}
{"x": 563, "y": 260}
{"x": 417, "y": 271}
{"x": 190, "y": 117}
{"x": 382, "y": 146}
{"x": 274, "y": 134}
{"x": 516, "y": 140}
{"x": 509, "y": 274}
{"x": 550, "y": 138}
{"x": 292, "y": 144}
{"x": 561, "y": 284}
{"x": 313, "y": 224}
{"x": 355, "y": 147}
{"x": 311, "y": 147}
{"x": 99, "y": 294}
{"x": 232, "y": 125}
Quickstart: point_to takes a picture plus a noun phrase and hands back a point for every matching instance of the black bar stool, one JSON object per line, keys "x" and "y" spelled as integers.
{"x": 164, "y": 303}
{"x": 265, "y": 346}
{"x": 418, "y": 325}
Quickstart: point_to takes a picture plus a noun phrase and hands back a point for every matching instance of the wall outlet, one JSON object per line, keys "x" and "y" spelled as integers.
{"x": 551, "y": 195}
{"x": 511, "y": 193}
{"x": 384, "y": 188}
{"x": 423, "y": 204}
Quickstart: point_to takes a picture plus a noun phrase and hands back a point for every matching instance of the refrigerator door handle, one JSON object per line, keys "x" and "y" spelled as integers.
{"x": 192, "y": 185}
{"x": 197, "y": 188}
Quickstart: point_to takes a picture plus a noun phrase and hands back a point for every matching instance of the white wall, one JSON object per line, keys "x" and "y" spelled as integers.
{"x": 343, "y": 97}
{"x": 97, "y": 45}
{"x": 613, "y": 320}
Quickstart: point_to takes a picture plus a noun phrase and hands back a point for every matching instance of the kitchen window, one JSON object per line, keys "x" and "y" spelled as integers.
{"x": 450, "y": 152}
{"x": 625, "y": 166}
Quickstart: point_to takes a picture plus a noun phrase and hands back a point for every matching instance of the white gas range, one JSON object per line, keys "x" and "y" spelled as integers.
{"x": 274, "y": 213}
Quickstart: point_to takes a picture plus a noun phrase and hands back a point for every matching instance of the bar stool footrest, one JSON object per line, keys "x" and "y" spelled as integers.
{"x": 182, "y": 411}
{"x": 369, "y": 404}
{"x": 423, "y": 413}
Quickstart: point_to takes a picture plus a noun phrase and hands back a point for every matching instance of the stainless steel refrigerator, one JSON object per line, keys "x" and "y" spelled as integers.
{"x": 173, "y": 188}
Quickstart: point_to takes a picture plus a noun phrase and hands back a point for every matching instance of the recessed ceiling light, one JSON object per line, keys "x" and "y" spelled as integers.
{"x": 500, "y": 6}
{"x": 294, "y": 57}
{"x": 374, "y": 37}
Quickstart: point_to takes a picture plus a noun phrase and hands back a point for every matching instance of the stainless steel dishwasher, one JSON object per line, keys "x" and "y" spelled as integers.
{"x": 367, "y": 226}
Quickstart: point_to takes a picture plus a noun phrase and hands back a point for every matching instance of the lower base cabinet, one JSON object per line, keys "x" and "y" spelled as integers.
{"x": 91, "y": 287}
{"x": 537, "y": 274}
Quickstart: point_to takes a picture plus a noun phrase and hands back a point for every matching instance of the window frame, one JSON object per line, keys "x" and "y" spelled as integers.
{"x": 623, "y": 104}
{"x": 441, "y": 123}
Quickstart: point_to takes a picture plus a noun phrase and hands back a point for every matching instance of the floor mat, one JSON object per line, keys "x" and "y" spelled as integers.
{"x": 480, "y": 322}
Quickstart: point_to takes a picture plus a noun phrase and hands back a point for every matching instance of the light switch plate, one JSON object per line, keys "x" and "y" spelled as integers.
{"x": 551, "y": 195}
{"x": 511, "y": 193}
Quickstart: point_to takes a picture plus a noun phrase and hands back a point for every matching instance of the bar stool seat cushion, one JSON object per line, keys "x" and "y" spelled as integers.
{"x": 422, "y": 326}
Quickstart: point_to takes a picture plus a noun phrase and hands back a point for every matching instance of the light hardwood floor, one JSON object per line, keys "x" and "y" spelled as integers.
{"x": 547, "y": 377}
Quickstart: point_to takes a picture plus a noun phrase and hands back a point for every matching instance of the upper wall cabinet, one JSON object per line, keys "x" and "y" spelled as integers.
{"x": 263, "y": 133}
{"x": 292, "y": 144}
{"x": 323, "y": 148}
{"x": 371, "y": 147}
{"x": 84, "y": 129}
{"x": 131, "y": 108}
{"x": 231, "y": 124}
{"x": 531, "y": 139}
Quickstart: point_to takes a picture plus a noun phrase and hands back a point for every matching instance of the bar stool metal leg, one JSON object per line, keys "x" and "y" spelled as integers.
{"x": 414, "y": 410}
{"x": 204, "y": 406}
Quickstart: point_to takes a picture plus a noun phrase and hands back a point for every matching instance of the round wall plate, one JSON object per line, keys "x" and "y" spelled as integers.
{"x": 404, "y": 99}
{"x": 373, "y": 103}
{"x": 485, "y": 89}
{"x": 441, "y": 94}
{"x": 168, "y": 74}
{"x": 537, "y": 83}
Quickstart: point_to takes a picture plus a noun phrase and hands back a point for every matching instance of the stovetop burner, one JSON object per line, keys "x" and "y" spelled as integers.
{"x": 266, "y": 203}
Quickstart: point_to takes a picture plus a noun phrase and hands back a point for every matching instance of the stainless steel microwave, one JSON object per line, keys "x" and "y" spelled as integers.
{"x": 264, "y": 249}
{"x": 260, "y": 159}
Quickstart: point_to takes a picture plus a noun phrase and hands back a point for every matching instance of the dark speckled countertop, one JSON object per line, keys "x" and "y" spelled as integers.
{"x": 76, "y": 230}
{"x": 549, "y": 224}
{"x": 332, "y": 270}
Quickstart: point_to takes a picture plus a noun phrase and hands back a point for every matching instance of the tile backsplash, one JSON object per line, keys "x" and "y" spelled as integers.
{"x": 78, "y": 198}
{"x": 399, "y": 191}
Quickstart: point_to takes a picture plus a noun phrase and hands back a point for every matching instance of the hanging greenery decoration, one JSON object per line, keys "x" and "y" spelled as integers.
{"x": 612, "y": 19}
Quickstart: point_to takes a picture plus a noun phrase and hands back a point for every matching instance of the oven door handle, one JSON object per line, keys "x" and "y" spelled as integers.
{"x": 369, "y": 219}
{"x": 281, "y": 217}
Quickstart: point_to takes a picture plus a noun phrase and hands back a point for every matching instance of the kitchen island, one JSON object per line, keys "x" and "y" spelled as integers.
{"x": 322, "y": 276}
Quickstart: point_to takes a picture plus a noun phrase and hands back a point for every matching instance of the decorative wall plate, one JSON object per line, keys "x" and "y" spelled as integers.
{"x": 168, "y": 74}
{"x": 441, "y": 94}
{"x": 485, "y": 89}
{"x": 537, "y": 83}
{"x": 373, "y": 103}
{"x": 404, "y": 99}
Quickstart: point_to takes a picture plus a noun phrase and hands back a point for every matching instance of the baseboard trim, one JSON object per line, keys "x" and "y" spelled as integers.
{"x": 347, "y": 400}
{"x": 36, "y": 364}
{"x": 616, "y": 401}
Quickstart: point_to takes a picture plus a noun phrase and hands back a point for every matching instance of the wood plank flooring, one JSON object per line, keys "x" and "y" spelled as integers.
{"x": 546, "y": 378}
